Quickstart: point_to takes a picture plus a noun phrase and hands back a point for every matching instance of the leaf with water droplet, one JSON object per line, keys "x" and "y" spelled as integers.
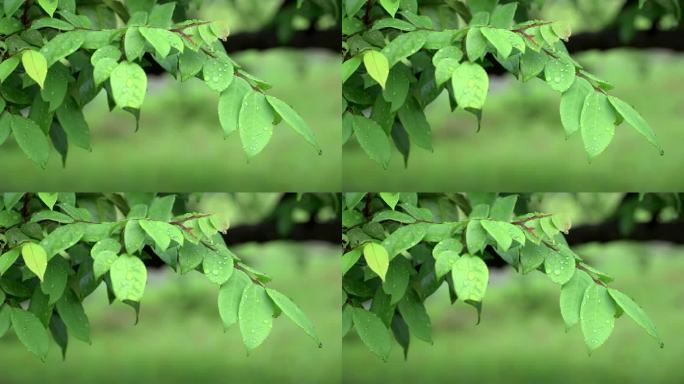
{"x": 129, "y": 276}
{"x": 470, "y": 276}
{"x": 291, "y": 310}
{"x": 597, "y": 316}
{"x": 255, "y": 316}
{"x": 372, "y": 332}
{"x": 416, "y": 317}
{"x": 255, "y": 123}
{"x": 597, "y": 123}
{"x": 634, "y": 311}
{"x": 560, "y": 73}
{"x": 218, "y": 265}
{"x": 30, "y": 331}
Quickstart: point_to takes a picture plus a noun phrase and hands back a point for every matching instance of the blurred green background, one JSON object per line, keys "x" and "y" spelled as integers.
{"x": 522, "y": 337}
{"x": 522, "y": 144}
{"x": 180, "y": 144}
{"x": 180, "y": 336}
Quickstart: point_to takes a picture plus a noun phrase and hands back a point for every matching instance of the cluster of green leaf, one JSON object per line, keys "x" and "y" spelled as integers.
{"x": 58, "y": 55}
{"x": 400, "y": 55}
{"x": 400, "y": 248}
{"x": 57, "y": 248}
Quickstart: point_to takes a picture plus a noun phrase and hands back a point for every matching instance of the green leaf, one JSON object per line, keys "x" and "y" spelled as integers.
{"x": 129, "y": 85}
{"x": 103, "y": 69}
{"x": 597, "y": 316}
{"x": 35, "y": 65}
{"x": 190, "y": 256}
{"x": 102, "y": 262}
{"x": 62, "y": 45}
{"x": 158, "y": 39}
{"x": 470, "y": 276}
{"x": 55, "y": 279}
{"x": 31, "y": 139}
{"x": 571, "y": 105}
{"x": 49, "y": 198}
{"x": 499, "y": 39}
{"x": 476, "y": 237}
{"x": 56, "y": 85}
{"x": 8, "y": 66}
{"x": 230, "y": 103}
{"x": 414, "y": 121}
{"x": 372, "y": 332}
{"x": 218, "y": 73}
{"x": 634, "y": 311}
{"x": 255, "y": 123}
{"x": 635, "y": 120}
{"x": 372, "y": 139}
{"x": 444, "y": 262}
{"x": 50, "y": 6}
{"x": 73, "y": 122}
{"x": 293, "y": 119}
{"x": 30, "y": 332}
{"x": 532, "y": 64}
{"x": 377, "y": 258}
{"x": 74, "y": 317}
{"x": 158, "y": 231}
{"x": 560, "y": 74}
{"x": 597, "y": 123}
{"x": 504, "y": 233}
{"x": 402, "y": 47}
{"x": 471, "y": 84}
{"x": 414, "y": 314}
{"x": 8, "y": 258}
{"x": 5, "y": 321}
{"x": 62, "y": 238}
{"x": 533, "y": 255}
{"x": 129, "y": 276}
{"x": 134, "y": 44}
{"x": 476, "y": 45}
{"x": 390, "y": 198}
{"x": 377, "y": 66}
{"x": 397, "y": 279}
{"x": 134, "y": 236}
{"x": 571, "y": 296}
{"x": 255, "y": 316}
{"x": 560, "y": 266}
{"x": 35, "y": 258}
{"x": 229, "y": 297}
{"x": 11, "y": 6}
{"x": 291, "y": 310}
{"x": 350, "y": 66}
{"x": 391, "y": 6}
{"x": 218, "y": 266}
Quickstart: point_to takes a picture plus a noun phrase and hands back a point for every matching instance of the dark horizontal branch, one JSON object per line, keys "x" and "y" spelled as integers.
{"x": 329, "y": 232}
{"x": 606, "y": 39}
{"x": 608, "y": 231}
{"x": 267, "y": 38}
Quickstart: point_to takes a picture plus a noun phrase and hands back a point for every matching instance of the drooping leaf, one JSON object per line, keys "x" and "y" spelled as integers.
{"x": 255, "y": 316}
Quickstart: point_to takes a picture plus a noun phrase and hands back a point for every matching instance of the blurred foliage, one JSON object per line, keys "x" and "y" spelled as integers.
{"x": 181, "y": 149}
{"x": 521, "y": 339}
{"x": 526, "y": 150}
{"x": 178, "y": 339}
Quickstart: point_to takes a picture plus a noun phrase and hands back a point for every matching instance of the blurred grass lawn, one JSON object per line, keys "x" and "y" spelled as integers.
{"x": 180, "y": 144}
{"x": 521, "y": 338}
{"x": 180, "y": 336}
{"x": 522, "y": 144}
